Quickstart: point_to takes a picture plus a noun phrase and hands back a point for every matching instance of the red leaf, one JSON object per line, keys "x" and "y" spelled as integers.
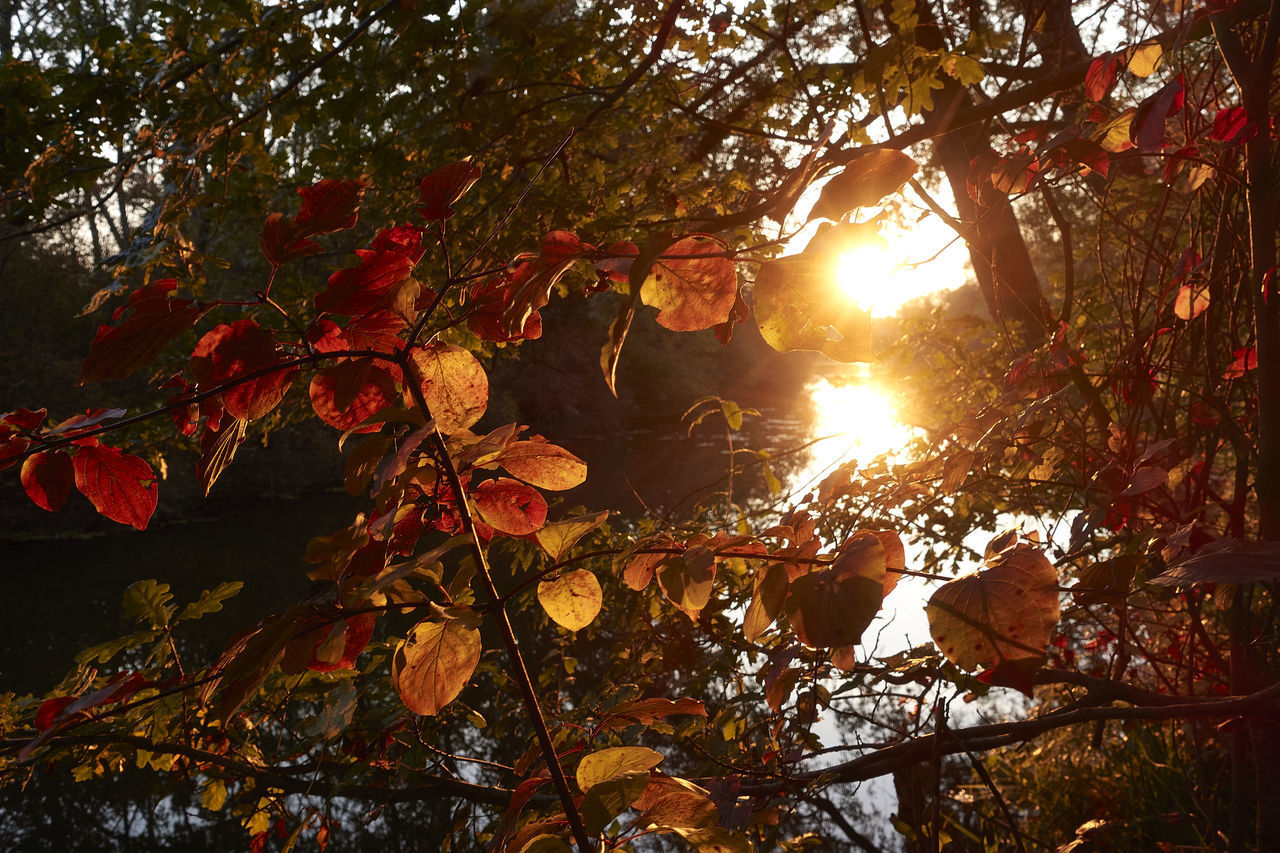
{"x": 510, "y": 506}
{"x": 375, "y": 284}
{"x": 1147, "y": 128}
{"x": 329, "y": 206}
{"x": 120, "y": 486}
{"x": 691, "y": 289}
{"x": 50, "y": 711}
{"x": 1100, "y": 77}
{"x": 402, "y": 239}
{"x": 349, "y": 393}
{"x": 439, "y": 190}
{"x": 1246, "y": 359}
{"x": 1230, "y": 123}
{"x": 233, "y": 350}
{"x": 24, "y": 419}
{"x": 356, "y": 632}
{"x": 505, "y": 307}
{"x": 47, "y": 477}
{"x": 617, "y": 265}
{"x": 280, "y": 243}
{"x": 117, "y": 351}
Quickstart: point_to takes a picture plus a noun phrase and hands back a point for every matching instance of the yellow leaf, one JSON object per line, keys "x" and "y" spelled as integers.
{"x": 454, "y": 384}
{"x": 434, "y": 663}
{"x": 214, "y": 795}
{"x": 614, "y": 762}
{"x": 572, "y": 600}
{"x": 1145, "y": 59}
{"x": 556, "y": 539}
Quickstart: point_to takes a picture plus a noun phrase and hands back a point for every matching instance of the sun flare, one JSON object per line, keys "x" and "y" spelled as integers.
{"x": 907, "y": 264}
{"x": 854, "y": 420}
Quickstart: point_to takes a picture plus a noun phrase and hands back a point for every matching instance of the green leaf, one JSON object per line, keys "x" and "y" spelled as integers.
{"x": 148, "y": 601}
{"x": 210, "y": 601}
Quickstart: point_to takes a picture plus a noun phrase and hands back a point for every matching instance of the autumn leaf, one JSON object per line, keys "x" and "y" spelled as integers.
{"x": 156, "y": 320}
{"x": 798, "y": 302}
{"x": 646, "y": 712}
{"x": 1005, "y": 612}
{"x": 454, "y": 384}
{"x": 1144, "y": 59}
{"x": 233, "y": 350}
{"x": 510, "y": 506}
{"x": 327, "y": 206}
{"x": 440, "y": 190}
{"x": 542, "y": 464}
{"x": 1148, "y": 128}
{"x": 47, "y": 477}
{"x": 343, "y": 643}
{"x": 381, "y": 281}
{"x": 558, "y": 538}
{"x": 1244, "y": 360}
{"x": 865, "y": 181}
{"x": 832, "y": 605}
{"x": 572, "y": 600}
{"x": 691, "y": 286}
{"x": 348, "y": 394}
{"x": 1225, "y": 561}
{"x": 1191, "y": 301}
{"x": 434, "y": 663}
{"x": 120, "y": 486}
{"x": 687, "y": 580}
{"x": 1101, "y": 76}
{"x": 607, "y": 764}
{"x": 766, "y": 601}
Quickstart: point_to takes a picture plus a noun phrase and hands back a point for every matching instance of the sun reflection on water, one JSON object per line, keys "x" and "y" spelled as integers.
{"x": 853, "y": 419}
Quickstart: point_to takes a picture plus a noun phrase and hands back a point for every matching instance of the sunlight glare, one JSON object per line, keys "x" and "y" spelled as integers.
{"x": 910, "y": 264}
{"x": 856, "y": 421}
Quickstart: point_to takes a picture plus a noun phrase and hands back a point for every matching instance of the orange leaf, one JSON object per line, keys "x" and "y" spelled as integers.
{"x": 434, "y": 663}
{"x": 691, "y": 289}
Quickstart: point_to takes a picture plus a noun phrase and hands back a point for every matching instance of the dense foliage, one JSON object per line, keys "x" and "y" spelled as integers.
{"x": 357, "y": 214}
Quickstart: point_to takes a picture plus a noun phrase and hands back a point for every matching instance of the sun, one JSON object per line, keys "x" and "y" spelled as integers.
{"x": 908, "y": 263}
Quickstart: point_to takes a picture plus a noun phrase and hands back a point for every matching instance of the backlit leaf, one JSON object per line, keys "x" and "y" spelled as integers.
{"x": 1004, "y": 612}
{"x": 1226, "y": 561}
{"x": 510, "y": 506}
{"x": 233, "y": 350}
{"x": 47, "y": 477}
{"x": 381, "y": 281}
{"x": 867, "y": 179}
{"x": 117, "y": 351}
{"x": 1191, "y": 301}
{"x": 606, "y": 764}
{"x": 572, "y": 600}
{"x": 120, "y": 486}
{"x": 434, "y": 663}
{"x": 542, "y": 464}
{"x": 606, "y": 800}
{"x": 766, "y": 601}
{"x": 556, "y": 539}
{"x": 442, "y": 188}
{"x": 687, "y": 580}
{"x": 832, "y": 605}
{"x": 1100, "y": 77}
{"x": 1148, "y": 128}
{"x": 1144, "y": 59}
{"x": 348, "y": 394}
{"x": 648, "y": 711}
{"x": 454, "y": 384}
{"x": 691, "y": 288}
